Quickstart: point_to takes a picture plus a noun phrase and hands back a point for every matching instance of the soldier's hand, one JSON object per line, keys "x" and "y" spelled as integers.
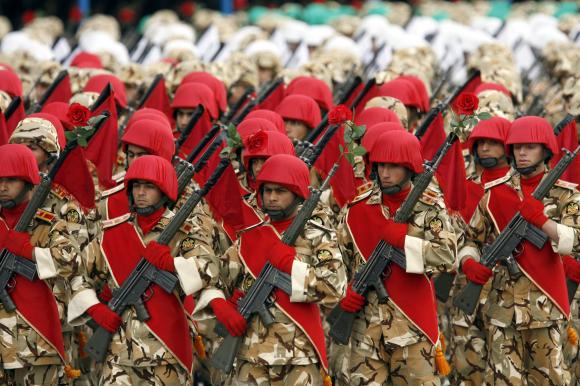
{"x": 352, "y": 302}
{"x": 282, "y": 257}
{"x": 395, "y": 233}
{"x": 475, "y": 271}
{"x": 228, "y": 315}
{"x": 236, "y": 296}
{"x": 572, "y": 268}
{"x": 19, "y": 244}
{"x": 532, "y": 211}
{"x": 105, "y": 317}
{"x": 160, "y": 256}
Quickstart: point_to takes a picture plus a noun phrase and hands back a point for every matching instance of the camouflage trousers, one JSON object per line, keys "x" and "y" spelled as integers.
{"x": 252, "y": 374}
{"x": 526, "y": 357}
{"x": 204, "y": 371}
{"x": 410, "y": 365}
{"x": 31, "y": 375}
{"x": 165, "y": 375}
{"x": 468, "y": 355}
{"x": 339, "y": 362}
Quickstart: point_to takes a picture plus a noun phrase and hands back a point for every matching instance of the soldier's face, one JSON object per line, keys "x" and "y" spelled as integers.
{"x": 391, "y": 174}
{"x": 276, "y": 197}
{"x": 528, "y": 154}
{"x": 145, "y": 194}
{"x": 182, "y": 117}
{"x": 40, "y": 155}
{"x": 257, "y": 164}
{"x": 10, "y": 188}
{"x": 134, "y": 152}
{"x": 489, "y": 148}
{"x": 295, "y": 129}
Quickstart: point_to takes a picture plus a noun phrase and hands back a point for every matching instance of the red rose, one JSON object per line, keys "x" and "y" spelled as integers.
{"x": 339, "y": 114}
{"x": 257, "y": 141}
{"x": 465, "y": 104}
{"x": 78, "y": 115}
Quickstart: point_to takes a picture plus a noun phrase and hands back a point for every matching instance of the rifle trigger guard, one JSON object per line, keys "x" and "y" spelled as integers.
{"x": 386, "y": 273}
{"x": 11, "y": 284}
{"x": 148, "y": 294}
{"x": 518, "y": 250}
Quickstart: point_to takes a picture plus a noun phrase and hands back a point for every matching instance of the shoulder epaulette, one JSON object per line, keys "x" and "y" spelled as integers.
{"x": 45, "y": 215}
{"x": 566, "y": 184}
{"x": 362, "y": 189}
{"x": 362, "y": 196}
{"x": 111, "y": 191}
{"x": 497, "y": 181}
{"x": 115, "y": 221}
{"x": 58, "y": 191}
{"x": 431, "y": 197}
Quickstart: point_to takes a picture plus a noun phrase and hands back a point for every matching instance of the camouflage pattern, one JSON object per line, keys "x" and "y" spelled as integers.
{"x": 28, "y": 376}
{"x": 39, "y": 131}
{"x": 571, "y": 351}
{"x": 497, "y": 104}
{"x": 392, "y": 104}
{"x": 252, "y": 374}
{"x": 161, "y": 375}
{"x": 384, "y": 332}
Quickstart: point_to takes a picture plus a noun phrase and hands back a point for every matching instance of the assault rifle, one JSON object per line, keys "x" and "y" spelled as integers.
{"x": 371, "y": 274}
{"x": 257, "y": 299}
{"x": 37, "y": 106}
{"x": 11, "y": 264}
{"x": 12, "y": 107}
{"x": 513, "y": 234}
{"x": 145, "y": 274}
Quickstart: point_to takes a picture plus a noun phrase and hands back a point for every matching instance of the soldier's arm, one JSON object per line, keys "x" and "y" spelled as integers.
{"x": 477, "y": 232}
{"x": 346, "y": 246}
{"x": 568, "y": 226}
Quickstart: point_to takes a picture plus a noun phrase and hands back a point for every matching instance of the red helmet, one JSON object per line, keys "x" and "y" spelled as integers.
{"x": 190, "y": 95}
{"x": 286, "y": 170}
{"x": 17, "y": 161}
{"x": 374, "y": 132}
{"x": 98, "y": 82}
{"x": 216, "y": 85}
{"x": 252, "y": 125}
{"x": 373, "y": 115}
{"x": 10, "y": 83}
{"x": 264, "y": 144}
{"x": 312, "y": 87}
{"x": 405, "y": 91}
{"x": 398, "y": 147}
{"x": 269, "y": 115}
{"x": 300, "y": 108}
{"x": 532, "y": 130}
{"x": 86, "y": 60}
{"x": 156, "y": 170}
{"x": 155, "y": 136}
{"x": 59, "y": 110}
{"x": 492, "y": 86}
{"x": 147, "y": 113}
{"x": 496, "y": 128}
{"x": 421, "y": 90}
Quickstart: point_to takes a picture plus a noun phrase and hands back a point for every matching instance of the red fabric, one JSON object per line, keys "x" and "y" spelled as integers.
{"x": 568, "y": 139}
{"x": 300, "y": 108}
{"x": 102, "y": 149}
{"x": 118, "y": 204}
{"x": 227, "y": 314}
{"x": 406, "y": 290}
{"x": 251, "y": 126}
{"x": 268, "y": 115}
{"x": 533, "y": 130}
{"x": 312, "y": 87}
{"x": 216, "y": 85}
{"x": 273, "y": 100}
{"x": 474, "y": 191}
{"x": 398, "y": 147}
{"x": 529, "y": 184}
{"x": 373, "y": 92}
{"x": 59, "y": 110}
{"x": 405, "y": 91}
{"x": 147, "y": 223}
{"x": 19, "y": 244}
{"x": 35, "y": 302}
{"x": 201, "y": 128}
{"x": 451, "y": 172}
{"x": 543, "y": 265}
{"x": 254, "y": 254}
{"x": 156, "y": 170}
{"x": 394, "y": 234}
{"x": 17, "y": 115}
{"x": 473, "y": 85}
{"x": 496, "y": 128}
{"x": 287, "y": 170}
{"x": 375, "y": 131}
{"x": 420, "y": 89}
{"x": 476, "y": 272}
{"x": 62, "y": 92}
{"x": 190, "y": 95}
{"x": 159, "y": 100}
{"x": 160, "y": 256}
{"x": 12, "y": 215}
{"x": 123, "y": 248}
{"x": 98, "y": 82}
{"x": 281, "y": 256}
{"x": 4, "y": 135}
{"x": 105, "y": 317}
{"x": 148, "y": 113}
{"x": 532, "y": 211}
{"x": 375, "y": 115}
{"x": 572, "y": 268}
{"x": 493, "y": 87}
{"x": 352, "y": 302}
{"x": 86, "y": 60}
{"x": 271, "y": 143}
{"x": 18, "y": 161}
{"x": 155, "y": 136}
{"x": 10, "y": 83}
{"x": 75, "y": 177}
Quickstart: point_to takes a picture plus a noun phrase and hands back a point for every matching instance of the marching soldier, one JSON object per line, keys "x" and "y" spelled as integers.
{"x": 394, "y": 342}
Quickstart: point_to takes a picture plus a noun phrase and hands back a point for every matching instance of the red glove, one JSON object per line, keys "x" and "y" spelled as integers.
{"x": 572, "y": 268}
{"x": 352, "y": 302}
{"x": 475, "y": 271}
{"x": 105, "y": 317}
{"x": 282, "y": 257}
{"x": 532, "y": 211}
{"x": 160, "y": 256}
{"x": 395, "y": 233}
{"x": 236, "y": 296}
{"x": 228, "y": 315}
{"x": 19, "y": 244}
{"x": 105, "y": 294}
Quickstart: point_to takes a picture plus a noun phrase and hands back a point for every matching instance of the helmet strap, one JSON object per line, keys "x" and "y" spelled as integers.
{"x": 9, "y": 204}
{"x": 148, "y": 210}
{"x": 282, "y": 214}
{"x": 394, "y": 189}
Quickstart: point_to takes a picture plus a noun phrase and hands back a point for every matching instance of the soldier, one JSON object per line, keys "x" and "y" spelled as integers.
{"x": 526, "y": 311}
{"x": 33, "y": 350}
{"x": 187, "y": 97}
{"x": 301, "y": 114}
{"x": 159, "y": 350}
{"x": 394, "y": 342}
{"x": 292, "y": 350}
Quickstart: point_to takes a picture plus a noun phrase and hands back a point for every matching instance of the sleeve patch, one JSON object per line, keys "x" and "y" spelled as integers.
{"x": 436, "y": 225}
{"x": 571, "y": 209}
{"x": 45, "y": 216}
{"x": 187, "y": 244}
{"x": 73, "y": 216}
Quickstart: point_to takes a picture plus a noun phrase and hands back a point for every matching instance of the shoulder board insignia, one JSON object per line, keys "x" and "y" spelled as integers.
{"x": 566, "y": 184}
{"x": 116, "y": 189}
{"x": 163, "y": 222}
{"x": 73, "y": 216}
{"x": 116, "y": 221}
{"x": 571, "y": 209}
{"x": 362, "y": 196}
{"x": 186, "y": 228}
{"x": 362, "y": 189}
{"x": 498, "y": 181}
{"x": 431, "y": 197}
{"x": 45, "y": 216}
{"x": 58, "y": 191}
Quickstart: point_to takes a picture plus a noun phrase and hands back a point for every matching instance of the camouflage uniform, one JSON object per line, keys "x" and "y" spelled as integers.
{"x": 386, "y": 346}
{"x": 283, "y": 354}
{"x": 524, "y": 324}
{"x": 135, "y": 354}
